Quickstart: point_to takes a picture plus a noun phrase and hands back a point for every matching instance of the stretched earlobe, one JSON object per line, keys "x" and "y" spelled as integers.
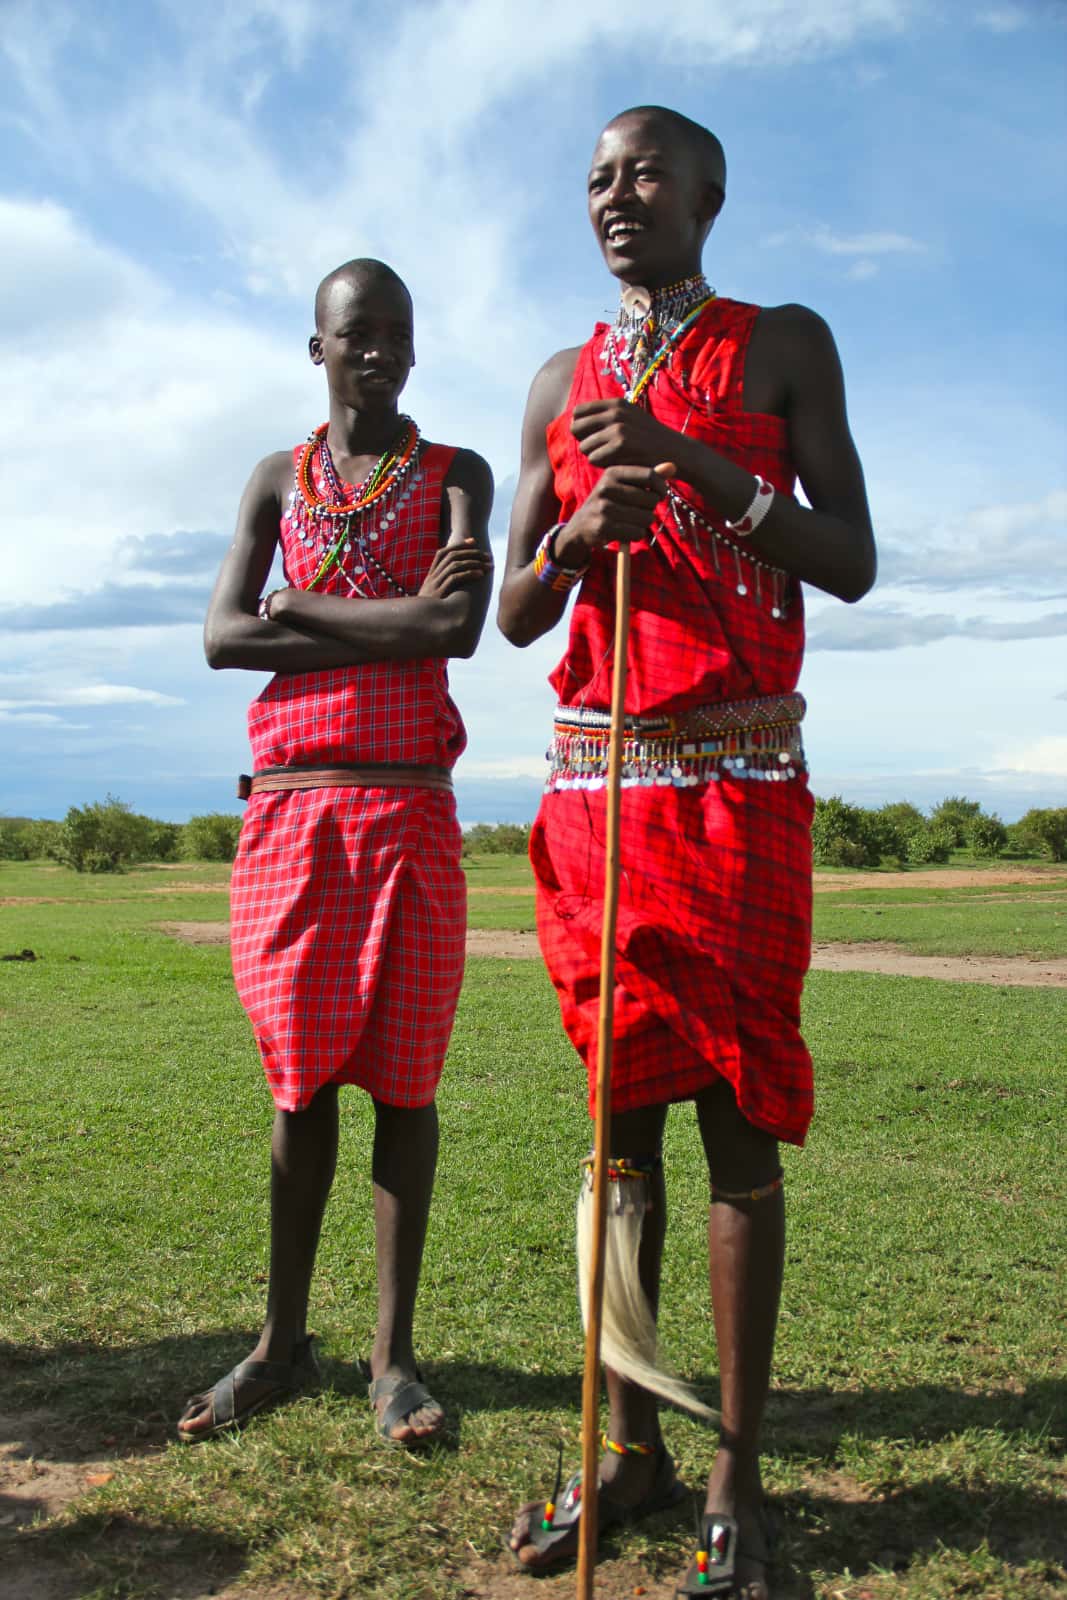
{"x": 315, "y": 349}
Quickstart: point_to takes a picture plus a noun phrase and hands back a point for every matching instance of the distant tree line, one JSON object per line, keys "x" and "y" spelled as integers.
{"x": 845, "y": 835}
{"x": 109, "y": 836}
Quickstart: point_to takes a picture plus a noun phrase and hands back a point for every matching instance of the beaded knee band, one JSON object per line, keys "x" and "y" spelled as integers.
{"x": 763, "y": 1193}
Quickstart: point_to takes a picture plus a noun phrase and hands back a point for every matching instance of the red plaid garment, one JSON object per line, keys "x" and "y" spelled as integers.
{"x": 348, "y": 905}
{"x": 715, "y": 894}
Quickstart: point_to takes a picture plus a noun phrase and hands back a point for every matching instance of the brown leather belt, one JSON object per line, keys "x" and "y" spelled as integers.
{"x": 354, "y": 775}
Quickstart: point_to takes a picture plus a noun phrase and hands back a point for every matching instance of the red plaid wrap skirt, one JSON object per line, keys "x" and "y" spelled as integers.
{"x": 714, "y": 932}
{"x": 348, "y": 905}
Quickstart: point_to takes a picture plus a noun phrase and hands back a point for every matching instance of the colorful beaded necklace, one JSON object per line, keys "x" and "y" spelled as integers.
{"x": 649, "y": 327}
{"x": 336, "y": 517}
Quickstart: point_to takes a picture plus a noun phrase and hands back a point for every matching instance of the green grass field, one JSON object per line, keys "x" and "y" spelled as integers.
{"x": 915, "y": 1434}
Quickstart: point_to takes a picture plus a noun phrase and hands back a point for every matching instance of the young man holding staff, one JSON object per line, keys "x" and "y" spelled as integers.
{"x": 348, "y": 899}
{"x": 715, "y": 885}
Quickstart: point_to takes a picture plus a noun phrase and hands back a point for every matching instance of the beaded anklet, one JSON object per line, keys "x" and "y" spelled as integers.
{"x": 617, "y": 1447}
{"x": 620, "y": 1447}
{"x": 547, "y": 569}
{"x": 621, "y": 1169}
{"x": 750, "y": 1194}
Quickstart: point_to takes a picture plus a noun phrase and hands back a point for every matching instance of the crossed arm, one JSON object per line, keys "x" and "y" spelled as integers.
{"x": 309, "y": 632}
{"x": 831, "y": 545}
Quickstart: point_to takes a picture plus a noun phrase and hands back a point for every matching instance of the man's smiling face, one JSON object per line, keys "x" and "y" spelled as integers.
{"x": 650, "y": 202}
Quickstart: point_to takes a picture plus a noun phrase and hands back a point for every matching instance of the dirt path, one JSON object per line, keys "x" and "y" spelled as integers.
{"x": 508, "y": 944}
{"x": 940, "y": 878}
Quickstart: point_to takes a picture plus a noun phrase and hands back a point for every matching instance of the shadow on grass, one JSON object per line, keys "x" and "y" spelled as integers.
{"x": 79, "y": 1401}
{"x": 135, "y": 1393}
{"x": 820, "y": 1533}
{"x": 119, "y": 1555}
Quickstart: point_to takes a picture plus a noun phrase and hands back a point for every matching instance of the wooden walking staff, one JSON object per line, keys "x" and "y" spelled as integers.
{"x": 587, "y": 1529}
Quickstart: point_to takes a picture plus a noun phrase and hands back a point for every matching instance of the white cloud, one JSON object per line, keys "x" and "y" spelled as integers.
{"x": 1046, "y": 756}
{"x": 864, "y": 244}
{"x": 1002, "y": 19}
{"x": 1018, "y": 549}
{"x": 860, "y": 271}
{"x": 514, "y": 767}
{"x": 94, "y": 694}
{"x": 830, "y": 242}
{"x": 874, "y": 627}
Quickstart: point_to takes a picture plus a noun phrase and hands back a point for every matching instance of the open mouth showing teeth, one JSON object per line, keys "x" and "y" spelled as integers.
{"x": 617, "y": 231}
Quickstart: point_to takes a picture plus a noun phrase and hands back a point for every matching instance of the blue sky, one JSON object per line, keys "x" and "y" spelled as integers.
{"x": 178, "y": 175}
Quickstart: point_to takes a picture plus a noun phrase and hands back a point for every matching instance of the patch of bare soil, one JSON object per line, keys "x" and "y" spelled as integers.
{"x": 508, "y": 889}
{"x": 508, "y": 944}
{"x": 198, "y": 932}
{"x": 937, "y": 878}
{"x": 1015, "y": 971}
{"x": 502, "y": 1580}
{"x": 36, "y": 1481}
{"x": 43, "y": 1468}
{"x": 185, "y": 888}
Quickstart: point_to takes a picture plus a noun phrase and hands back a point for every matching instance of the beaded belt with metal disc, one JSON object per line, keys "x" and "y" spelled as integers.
{"x": 758, "y": 739}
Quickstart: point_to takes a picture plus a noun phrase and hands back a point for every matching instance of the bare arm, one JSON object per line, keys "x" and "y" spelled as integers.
{"x": 831, "y": 545}
{"x": 308, "y": 631}
{"x": 621, "y": 506}
{"x": 234, "y": 635}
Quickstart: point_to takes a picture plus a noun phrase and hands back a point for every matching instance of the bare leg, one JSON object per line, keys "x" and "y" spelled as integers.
{"x": 303, "y": 1160}
{"x": 633, "y": 1412}
{"x": 746, "y": 1240}
{"x": 404, "y": 1163}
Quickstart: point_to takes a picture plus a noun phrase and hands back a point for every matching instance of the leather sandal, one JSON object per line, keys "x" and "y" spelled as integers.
{"x": 286, "y": 1378}
{"x": 405, "y": 1395}
{"x": 559, "y": 1518}
{"x": 713, "y": 1570}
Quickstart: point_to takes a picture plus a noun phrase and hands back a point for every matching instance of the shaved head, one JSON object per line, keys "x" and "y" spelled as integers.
{"x": 362, "y": 273}
{"x": 701, "y": 144}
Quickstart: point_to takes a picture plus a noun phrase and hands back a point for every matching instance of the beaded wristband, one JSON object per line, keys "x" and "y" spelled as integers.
{"x": 762, "y": 501}
{"x": 548, "y": 571}
{"x": 263, "y": 610}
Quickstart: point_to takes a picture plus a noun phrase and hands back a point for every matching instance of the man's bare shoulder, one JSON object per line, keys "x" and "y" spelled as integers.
{"x": 273, "y": 475}
{"x": 794, "y": 326}
{"x": 469, "y": 470}
{"x": 552, "y": 384}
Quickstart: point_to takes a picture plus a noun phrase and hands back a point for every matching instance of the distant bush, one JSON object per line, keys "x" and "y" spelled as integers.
{"x": 933, "y": 841}
{"x": 41, "y": 837}
{"x": 164, "y": 840}
{"x": 986, "y": 835}
{"x": 106, "y": 836}
{"x": 12, "y": 840}
{"x": 890, "y": 826}
{"x": 499, "y": 839}
{"x": 956, "y": 814}
{"x": 1042, "y": 832}
{"x": 211, "y": 837}
{"x": 843, "y": 835}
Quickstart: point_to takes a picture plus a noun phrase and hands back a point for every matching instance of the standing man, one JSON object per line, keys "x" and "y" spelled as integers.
{"x": 348, "y": 899}
{"x": 715, "y": 900}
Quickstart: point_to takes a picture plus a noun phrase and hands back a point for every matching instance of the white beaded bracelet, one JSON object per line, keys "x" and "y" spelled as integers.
{"x": 762, "y": 501}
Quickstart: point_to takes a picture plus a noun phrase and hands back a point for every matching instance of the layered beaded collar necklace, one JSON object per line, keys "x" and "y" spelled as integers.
{"x": 649, "y": 325}
{"x": 344, "y": 523}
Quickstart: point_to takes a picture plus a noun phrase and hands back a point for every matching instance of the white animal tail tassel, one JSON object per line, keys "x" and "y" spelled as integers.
{"x": 628, "y": 1333}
